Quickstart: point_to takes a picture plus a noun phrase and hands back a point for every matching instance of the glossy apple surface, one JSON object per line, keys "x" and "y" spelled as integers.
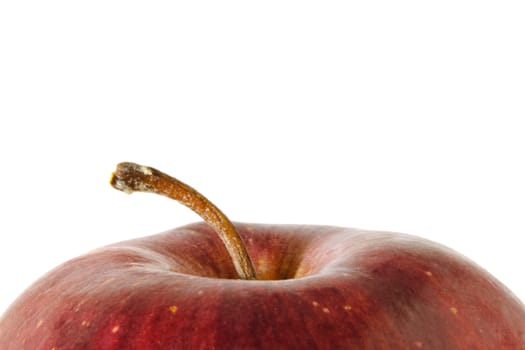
{"x": 220, "y": 285}
{"x": 319, "y": 288}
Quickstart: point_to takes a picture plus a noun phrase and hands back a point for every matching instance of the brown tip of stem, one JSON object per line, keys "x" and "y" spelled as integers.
{"x": 131, "y": 177}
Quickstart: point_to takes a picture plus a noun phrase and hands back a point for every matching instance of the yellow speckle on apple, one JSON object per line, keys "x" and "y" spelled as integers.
{"x": 347, "y": 307}
{"x": 454, "y": 310}
{"x": 173, "y": 309}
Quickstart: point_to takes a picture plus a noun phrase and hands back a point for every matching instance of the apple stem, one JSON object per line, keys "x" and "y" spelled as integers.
{"x": 131, "y": 177}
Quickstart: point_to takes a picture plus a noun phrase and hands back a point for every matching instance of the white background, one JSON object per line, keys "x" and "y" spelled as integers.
{"x": 397, "y": 115}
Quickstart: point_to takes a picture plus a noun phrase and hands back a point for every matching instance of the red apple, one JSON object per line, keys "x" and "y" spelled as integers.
{"x": 267, "y": 287}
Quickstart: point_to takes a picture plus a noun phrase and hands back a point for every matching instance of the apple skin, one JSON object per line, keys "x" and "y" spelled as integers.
{"x": 320, "y": 287}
